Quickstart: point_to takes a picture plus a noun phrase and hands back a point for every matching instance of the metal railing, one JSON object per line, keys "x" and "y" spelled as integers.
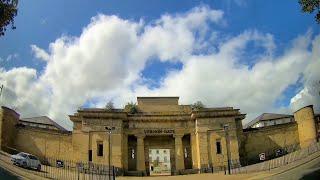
{"x": 274, "y": 161}
{"x": 54, "y": 168}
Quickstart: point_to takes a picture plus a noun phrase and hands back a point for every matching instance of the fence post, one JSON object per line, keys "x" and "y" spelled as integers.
{"x": 113, "y": 173}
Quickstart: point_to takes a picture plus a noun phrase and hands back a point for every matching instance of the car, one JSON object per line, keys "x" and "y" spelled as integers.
{"x": 26, "y": 160}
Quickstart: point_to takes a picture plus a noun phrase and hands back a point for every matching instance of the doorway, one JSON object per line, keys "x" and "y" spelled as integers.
{"x": 159, "y": 162}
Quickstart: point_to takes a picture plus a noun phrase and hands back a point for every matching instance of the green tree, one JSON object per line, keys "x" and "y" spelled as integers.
{"x": 131, "y": 108}
{"x": 197, "y": 106}
{"x": 309, "y": 6}
{"x": 110, "y": 106}
{"x": 8, "y": 10}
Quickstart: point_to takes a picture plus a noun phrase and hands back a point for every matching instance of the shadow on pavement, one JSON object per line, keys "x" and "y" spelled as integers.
{"x": 7, "y": 175}
{"x": 312, "y": 175}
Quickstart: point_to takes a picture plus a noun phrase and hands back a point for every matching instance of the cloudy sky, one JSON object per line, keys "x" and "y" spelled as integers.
{"x": 259, "y": 56}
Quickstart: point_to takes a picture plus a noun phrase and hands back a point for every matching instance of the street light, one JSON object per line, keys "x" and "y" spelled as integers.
{"x": 226, "y": 128}
{"x": 109, "y": 130}
{"x": 1, "y": 88}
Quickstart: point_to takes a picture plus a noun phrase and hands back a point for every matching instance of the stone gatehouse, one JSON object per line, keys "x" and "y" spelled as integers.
{"x": 159, "y": 123}
{"x": 190, "y": 140}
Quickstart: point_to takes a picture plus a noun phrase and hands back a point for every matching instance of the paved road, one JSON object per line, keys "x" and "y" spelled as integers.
{"x": 4, "y": 174}
{"x": 307, "y": 171}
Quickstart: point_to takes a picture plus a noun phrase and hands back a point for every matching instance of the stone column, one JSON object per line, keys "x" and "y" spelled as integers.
{"x": 125, "y": 151}
{"x": 195, "y": 150}
{"x": 179, "y": 152}
{"x": 140, "y": 153}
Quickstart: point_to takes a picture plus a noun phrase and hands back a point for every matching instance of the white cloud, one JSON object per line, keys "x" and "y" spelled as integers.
{"x": 10, "y": 57}
{"x": 106, "y": 60}
{"x": 40, "y": 53}
{"x": 310, "y": 94}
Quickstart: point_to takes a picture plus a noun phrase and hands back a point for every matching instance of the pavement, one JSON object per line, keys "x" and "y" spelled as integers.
{"x": 305, "y": 169}
{"x": 205, "y": 176}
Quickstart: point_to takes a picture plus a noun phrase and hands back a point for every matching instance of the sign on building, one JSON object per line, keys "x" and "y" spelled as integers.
{"x": 151, "y": 132}
{"x": 262, "y": 156}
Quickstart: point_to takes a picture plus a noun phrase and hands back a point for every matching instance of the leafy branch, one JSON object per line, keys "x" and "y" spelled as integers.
{"x": 8, "y": 10}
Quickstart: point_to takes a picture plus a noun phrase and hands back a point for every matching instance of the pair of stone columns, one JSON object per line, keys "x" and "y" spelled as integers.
{"x": 178, "y": 152}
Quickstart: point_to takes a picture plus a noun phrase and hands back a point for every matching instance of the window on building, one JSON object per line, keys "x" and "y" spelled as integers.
{"x": 158, "y": 159}
{"x": 218, "y": 146}
{"x": 100, "y": 149}
{"x": 185, "y": 153}
{"x": 157, "y": 151}
{"x": 165, "y": 151}
{"x": 90, "y": 155}
{"x": 165, "y": 159}
{"x": 132, "y": 154}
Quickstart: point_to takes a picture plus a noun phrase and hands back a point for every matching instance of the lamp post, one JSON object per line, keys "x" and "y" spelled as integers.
{"x": 226, "y": 128}
{"x": 1, "y": 88}
{"x": 109, "y": 129}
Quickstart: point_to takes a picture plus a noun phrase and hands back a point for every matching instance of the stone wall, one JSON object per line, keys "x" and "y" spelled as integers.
{"x": 268, "y": 139}
{"x": 44, "y": 143}
{"x": 8, "y": 119}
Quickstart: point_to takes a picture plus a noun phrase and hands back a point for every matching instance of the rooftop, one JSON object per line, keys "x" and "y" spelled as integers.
{"x": 158, "y": 100}
{"x": 266, "y": 117}
{"x": 43, "y": 120}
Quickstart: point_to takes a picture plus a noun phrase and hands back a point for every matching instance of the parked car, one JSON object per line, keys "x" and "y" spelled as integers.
{"x": 26, "y": 160}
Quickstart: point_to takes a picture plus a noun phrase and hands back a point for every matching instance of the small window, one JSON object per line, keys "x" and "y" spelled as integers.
{"x": 132, "y": 154}
{"x": 265, "y": 124}
{"x": 100, "y": 149}
{"x": 157, "y": 151}
{"x": 158, "y": 159}
{"x": 218, "y": 146}
{"x": 90, "y": 155}
{"x": 165, "y": 151}
{"x": 185, "y": 153}
{"x": 165, "y": 159}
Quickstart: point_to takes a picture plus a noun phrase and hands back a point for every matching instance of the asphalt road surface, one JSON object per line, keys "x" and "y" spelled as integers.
{"x": 7, "y": 175}
{"x": 307, "y": 171}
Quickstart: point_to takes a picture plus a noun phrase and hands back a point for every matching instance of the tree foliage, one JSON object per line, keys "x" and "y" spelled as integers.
{"x": 131, "y": 108}
{"x": 8, "y": 10}
{"x": 110, "y": 106}
{"x": 197, "y": 105}
{"x": 309, "y": 6}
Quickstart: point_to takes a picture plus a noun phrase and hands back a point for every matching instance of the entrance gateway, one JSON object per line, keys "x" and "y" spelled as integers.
{"x": 159, "y": 162}
{"x": 187, "y": 137}
{"x": 163, "y": 153}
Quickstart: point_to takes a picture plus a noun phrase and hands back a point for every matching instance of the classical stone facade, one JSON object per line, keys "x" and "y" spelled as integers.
{"x": 159, "y": 123}
{"x": 197, "y": 140}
